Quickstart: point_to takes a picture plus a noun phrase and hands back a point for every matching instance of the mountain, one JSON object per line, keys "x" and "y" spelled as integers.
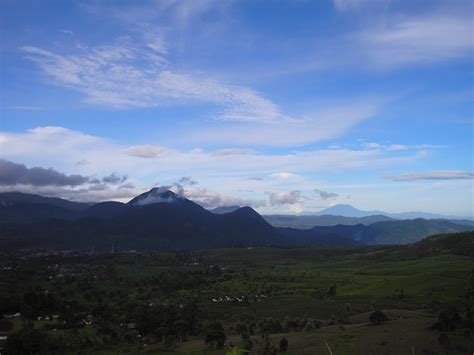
{"x": 310, "y": 221}
{"x": 157, "y": 219}
{"x": 347, "y": 211}
{"x": 15, "y": 198}
{"x": 154, "y": 196}
{"x": 20, "y": 208}
{"x": 457, "y": 244}
{"x": 224, "y": 209}
{"x": 106, "y": 209}
{"x": 162, "y": 220}
{"x": 350, "y": 211}
{"x": 393, "y": 232}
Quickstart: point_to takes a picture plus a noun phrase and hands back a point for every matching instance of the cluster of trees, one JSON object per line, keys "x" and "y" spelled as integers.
{"x": 323, "y": 293}
{"x": 270, "y": 325}
{"x": 174, "y": 322}
{"x": 453, "y": 318}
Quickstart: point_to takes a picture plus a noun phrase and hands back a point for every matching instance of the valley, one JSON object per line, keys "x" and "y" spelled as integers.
{"x": 204, "y": 302}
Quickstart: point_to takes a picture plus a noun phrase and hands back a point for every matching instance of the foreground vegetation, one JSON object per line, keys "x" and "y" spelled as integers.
{"x": 374, "y": 300}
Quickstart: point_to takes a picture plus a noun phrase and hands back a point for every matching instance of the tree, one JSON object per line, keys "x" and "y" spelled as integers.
{"x": 215, "y": 335}
{"x": 264, "y": 346}
{"x": 283, "y": 346}
{"x": 181, "y": 329}
{"x": 449, "y": 320}
{"x": 378, "y": 317}
{"x": 443, "y": 339}
{"x": 27, "y": 341}
{"x": 248, "y": 343}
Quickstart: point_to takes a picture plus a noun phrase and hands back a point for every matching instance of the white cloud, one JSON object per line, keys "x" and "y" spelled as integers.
{"x": 128, "y": 75}
{"x": 146, "y": 151}
{"x": 233, "y": 151}
{"x": 403, "y": 41}
{"x": 212, "y": 199}
{"x": 62, "y": 149}
{"x": 323, "y": 124}
{"x": 397, "y": 147}
{"x": 372, "y": 145}
{"x": 24, "y": 108}
{"x": 433, "y": 175}
{"x": 67, "y": 32}
{"x": 344, "y": 5}
{"x": 284, "y": 175}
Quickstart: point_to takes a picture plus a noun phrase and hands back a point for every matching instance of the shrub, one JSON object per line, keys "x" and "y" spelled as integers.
{"x": 378, "y": 317}
{"x": 283, "y": 346}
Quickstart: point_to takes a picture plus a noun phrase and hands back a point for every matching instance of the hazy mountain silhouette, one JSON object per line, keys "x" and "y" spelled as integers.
{"x": 310, "y": 221}
{"x": 350, "y": 211}
{"x": 161, "y": 219}
{"x": 21, "y": 207}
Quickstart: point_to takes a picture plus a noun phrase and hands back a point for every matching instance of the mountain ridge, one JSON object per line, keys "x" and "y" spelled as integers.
{"x": 346, "y": 210}
{"x": 160, "y": 219}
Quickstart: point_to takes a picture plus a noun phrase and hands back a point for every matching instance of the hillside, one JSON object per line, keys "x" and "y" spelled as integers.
{"x": 161, "y": 220}
{"x": 310, "y": 221}
{"x": 393, "y": 232}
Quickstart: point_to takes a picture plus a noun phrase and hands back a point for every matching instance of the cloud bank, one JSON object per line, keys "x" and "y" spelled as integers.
{"x": 433, "y": 175}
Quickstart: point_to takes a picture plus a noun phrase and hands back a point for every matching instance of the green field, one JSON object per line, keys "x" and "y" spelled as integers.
{"x": 319, "y": 299}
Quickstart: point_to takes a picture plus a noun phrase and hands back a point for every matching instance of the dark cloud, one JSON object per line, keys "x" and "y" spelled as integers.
{"x": 94, "y": 181}
{"x": 98, "y": 187}
{"x": 127, "y": 185}
{"x": 114, "y": 179}
{"x": 187, "y": 180}
{"x": 285, "y": 197}
{"x": 18, "y": 174}
{"x": 325, "y": 195}
{"x": 81, "y": 194}
{"x": 82, "y": 162}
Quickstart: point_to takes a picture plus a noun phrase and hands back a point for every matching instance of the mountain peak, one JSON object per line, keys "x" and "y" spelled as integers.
{"x": 155, "y": 195}
{"x": 342, "y": 210}
{"x": 225, "y": 209}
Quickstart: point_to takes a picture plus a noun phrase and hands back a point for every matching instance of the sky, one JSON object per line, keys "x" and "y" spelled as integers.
{"x": 286, "y": 106}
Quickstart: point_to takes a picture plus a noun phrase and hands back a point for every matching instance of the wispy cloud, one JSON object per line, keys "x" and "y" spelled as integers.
{"x": 416, "y": 40}
{"x": 146, "y": 151}
{"x": 345, "y": 5}
{"x": 233, "y": 151}
{"x": 127, "y": 75}
{"x": 325, "y": 123}
{"x": 24, "y": 108}
{"x": 433, "y": 175}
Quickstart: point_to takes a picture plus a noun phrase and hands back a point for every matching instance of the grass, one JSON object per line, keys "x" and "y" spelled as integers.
{"x": 290, "y": 279}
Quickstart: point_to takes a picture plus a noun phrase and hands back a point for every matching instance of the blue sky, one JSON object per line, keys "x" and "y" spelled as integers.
{"x": 288, "y": 106}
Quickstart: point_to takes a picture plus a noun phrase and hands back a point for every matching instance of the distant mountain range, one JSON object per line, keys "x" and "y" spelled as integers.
{"x": 350, "y": 211}
{"x": 161, "y": 220}
{"x": 349, "y": 215}
{"x": 310, "y": 221}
